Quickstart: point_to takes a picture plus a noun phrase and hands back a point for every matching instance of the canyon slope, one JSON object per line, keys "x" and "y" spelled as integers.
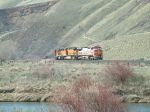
{"x": 121, "y": 27}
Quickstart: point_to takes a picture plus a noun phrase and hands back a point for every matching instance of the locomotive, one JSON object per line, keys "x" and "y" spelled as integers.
{"x": 77, "y": 53}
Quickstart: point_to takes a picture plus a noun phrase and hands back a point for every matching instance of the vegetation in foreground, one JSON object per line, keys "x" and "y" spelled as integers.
{"x": 36, "y": 81}
{"x": 86, "y": 96}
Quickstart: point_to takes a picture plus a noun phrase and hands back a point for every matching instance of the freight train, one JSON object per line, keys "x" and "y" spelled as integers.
{"x": 76, "y": 53}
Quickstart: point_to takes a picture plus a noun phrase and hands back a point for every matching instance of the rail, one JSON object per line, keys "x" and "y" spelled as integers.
{"x": 51, "y": 61}
{"x": 128, "y": 62}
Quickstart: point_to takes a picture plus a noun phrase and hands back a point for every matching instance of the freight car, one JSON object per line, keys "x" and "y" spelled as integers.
{"x": 76, "y": 53}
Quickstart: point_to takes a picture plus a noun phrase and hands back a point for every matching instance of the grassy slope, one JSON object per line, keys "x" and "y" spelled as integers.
{"x": 118, "y": 23}
{"x": 134, "y": 46}
{"x": 84, "y": 22}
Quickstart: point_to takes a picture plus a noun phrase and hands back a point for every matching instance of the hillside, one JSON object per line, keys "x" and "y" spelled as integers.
{"x": 14, "y": 3}
{"x": 121, "y": 27}
{"x": 133, "y": 46}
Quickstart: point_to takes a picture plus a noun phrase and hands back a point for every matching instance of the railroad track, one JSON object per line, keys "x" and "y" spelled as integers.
{"x": 129, "y": 62}
{"x": 52, "y": 61}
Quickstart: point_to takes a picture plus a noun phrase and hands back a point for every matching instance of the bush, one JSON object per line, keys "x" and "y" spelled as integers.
{"x": 81, "y": 84}
{"x": 90, "y": 97}
{"x": 118, "y": 72}
{"x": 106, "y": 101}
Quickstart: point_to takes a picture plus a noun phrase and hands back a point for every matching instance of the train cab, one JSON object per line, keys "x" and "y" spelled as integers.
{"x": 97, "y": 52}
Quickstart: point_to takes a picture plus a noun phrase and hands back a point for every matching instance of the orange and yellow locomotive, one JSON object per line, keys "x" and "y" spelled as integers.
{"x": 76, "y": 53}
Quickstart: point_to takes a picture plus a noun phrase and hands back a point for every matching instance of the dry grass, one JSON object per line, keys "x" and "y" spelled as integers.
{"x": 40, "y": 78}
{"x": 43, "y": 72}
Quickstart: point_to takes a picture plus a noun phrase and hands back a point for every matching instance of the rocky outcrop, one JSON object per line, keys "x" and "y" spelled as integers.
{"x": 131, "y": 98}
{"x": 28, "y": 97}
{"x": 37, "y": 97}
{"x": 144, "y": 100}
{"x": 146, "y": 92}
{"x": 47, "y": 97}
{"x": 133, "y": 94}
{"x": 7, "y": 90}
{"x": 24, "y": 97}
